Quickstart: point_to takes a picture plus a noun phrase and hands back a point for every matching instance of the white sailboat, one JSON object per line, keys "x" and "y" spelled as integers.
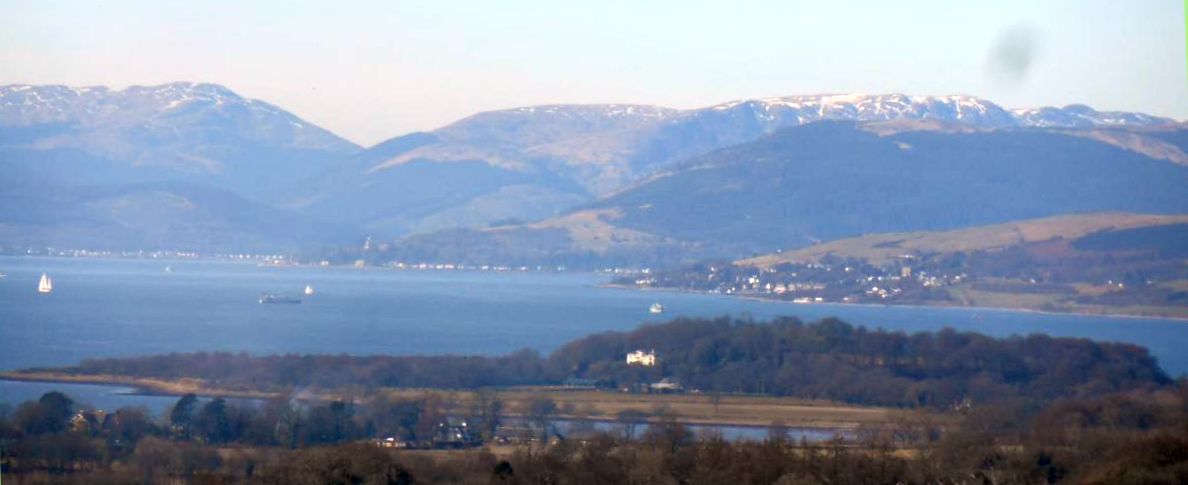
{"x": 308, "y": 290}
{"x": 46, "y": 285}
{"x": 656, "y": 308}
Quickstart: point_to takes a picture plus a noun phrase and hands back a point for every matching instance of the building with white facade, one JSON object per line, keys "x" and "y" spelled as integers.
{"x": 639, "y": 357}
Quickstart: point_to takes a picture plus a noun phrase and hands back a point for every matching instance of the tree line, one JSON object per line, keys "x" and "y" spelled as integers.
{"x": 58, "y": 436}
{"x": 828, "y": 359}
{"x": 1140, "y": 436}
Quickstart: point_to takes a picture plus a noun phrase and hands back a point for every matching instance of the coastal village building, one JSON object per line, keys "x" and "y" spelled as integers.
{"x": 665, "y": 385}
{"x": 90, "y": 421}
{"x": 639, "y": 357}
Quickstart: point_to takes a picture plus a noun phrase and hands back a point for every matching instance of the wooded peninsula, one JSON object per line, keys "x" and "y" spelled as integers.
{"x": 953, "y": 407}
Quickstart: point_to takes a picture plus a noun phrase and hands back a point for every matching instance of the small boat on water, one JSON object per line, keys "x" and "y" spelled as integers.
{"x": 169, "y": 269}
{"x": 308, "y": 290}
{"x": 46, "y": 285}
{"x": 272, "y": 298}
{"x": 656, "y": 308}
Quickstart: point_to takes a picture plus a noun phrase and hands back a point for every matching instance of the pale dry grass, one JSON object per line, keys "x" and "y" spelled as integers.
{"x": 593, "y": 230}
{"x": 689, "y": 408}
{"x": 885, "y": 247}
{"x": 176, "y": 387}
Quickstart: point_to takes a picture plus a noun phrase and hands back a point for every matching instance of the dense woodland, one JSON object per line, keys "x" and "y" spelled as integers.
{"x": 1133, "y": 437}
{"x": 828, "y": 359}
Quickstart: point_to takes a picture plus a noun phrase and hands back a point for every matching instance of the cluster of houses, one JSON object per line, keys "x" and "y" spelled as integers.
{"x": 883, "y": 293}
{"x": 400, "y": 265}
{"x": 781, "y": 288}
{"x": 452, "y": 433}
{"x": 813, "y": 282}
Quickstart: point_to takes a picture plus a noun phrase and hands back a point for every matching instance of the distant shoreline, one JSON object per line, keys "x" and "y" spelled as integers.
{"x": 142, "y": 385}
{"x": 761, "y": 298}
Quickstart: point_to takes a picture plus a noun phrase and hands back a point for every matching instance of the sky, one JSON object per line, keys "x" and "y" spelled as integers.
{"x": 371, "y": 70}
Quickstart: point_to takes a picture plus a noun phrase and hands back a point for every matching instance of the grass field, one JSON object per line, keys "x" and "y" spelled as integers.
{"x": 689, "y": 408}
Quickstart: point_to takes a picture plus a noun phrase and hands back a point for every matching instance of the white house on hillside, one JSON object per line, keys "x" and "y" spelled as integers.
{"x": 646, "y": 359}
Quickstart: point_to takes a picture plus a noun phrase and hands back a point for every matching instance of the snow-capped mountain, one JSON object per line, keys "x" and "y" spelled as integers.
{"x": 193, "y": 130}
{"x": 155, "y": 143}
{"x": 23, "y": 104}
{"x": 610, "y": 144}
{"x": 158, "y": 108}
{"x": 797, "y": 110}
{"x": 525, "y": 163}
{"x": 1081, "y": 116}
{"x": 176, "y": 165}
{"x": 970, "y": 110}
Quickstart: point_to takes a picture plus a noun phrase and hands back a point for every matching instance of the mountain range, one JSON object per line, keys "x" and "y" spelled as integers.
{"x": 831, "y": 180}
{"x": 559, "y": 182}
{"x": 537, "y": 161}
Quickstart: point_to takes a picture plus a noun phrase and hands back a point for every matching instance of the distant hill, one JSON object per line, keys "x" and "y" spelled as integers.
{"x": 827, "y": 181}
{"x": 880, "y": 249}
{"x": 1108, "y": 263}
{"x": 1167, "y": 240}
{"x": 174, "y": 166}
{"x": 833, "y": 180}
{"x": 155, "y": 216}
{"x": 525, "y": 163}
{"x": 539, "y": 161}
{"x": 585, "y": 239}
{"x": 202, "y": 133}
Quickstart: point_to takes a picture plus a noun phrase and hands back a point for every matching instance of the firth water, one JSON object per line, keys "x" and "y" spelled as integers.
{"x": 106, "y": 308}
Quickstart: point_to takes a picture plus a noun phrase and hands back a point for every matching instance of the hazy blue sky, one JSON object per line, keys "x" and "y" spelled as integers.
{"x": 369, "y": 70}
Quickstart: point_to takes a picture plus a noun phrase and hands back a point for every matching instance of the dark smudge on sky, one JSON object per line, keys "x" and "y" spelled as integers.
{"x": 1013, "y": 54}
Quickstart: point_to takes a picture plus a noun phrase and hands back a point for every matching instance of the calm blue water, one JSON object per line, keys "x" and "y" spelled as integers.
{"x": 106, "y": 397}
{"x": 102, "y": 308}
